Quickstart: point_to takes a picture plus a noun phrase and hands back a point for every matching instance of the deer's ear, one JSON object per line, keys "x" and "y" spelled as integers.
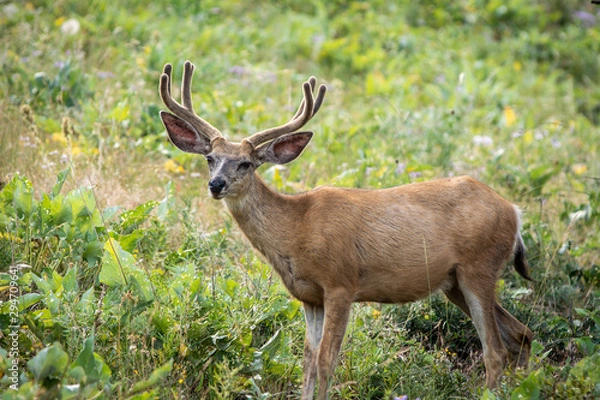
{"x": 285, "y": 148}
{"x": 185, "y": 136}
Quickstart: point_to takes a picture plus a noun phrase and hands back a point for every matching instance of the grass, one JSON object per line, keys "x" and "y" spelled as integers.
{"x": 135, "y": 284}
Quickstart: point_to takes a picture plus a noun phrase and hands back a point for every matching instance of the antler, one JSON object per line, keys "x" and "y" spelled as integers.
{"x": 307, "y": 109}
{"x": 185, "y": 112}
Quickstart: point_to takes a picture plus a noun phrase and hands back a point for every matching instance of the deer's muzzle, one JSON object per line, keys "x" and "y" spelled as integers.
{"x": 216, "y": 186}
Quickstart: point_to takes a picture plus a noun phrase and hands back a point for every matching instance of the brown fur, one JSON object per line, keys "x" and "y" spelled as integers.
{"x": 334, "y": 246}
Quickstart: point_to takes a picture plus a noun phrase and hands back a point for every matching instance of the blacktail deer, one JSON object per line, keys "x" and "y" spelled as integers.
{"x": 334, "y": 246}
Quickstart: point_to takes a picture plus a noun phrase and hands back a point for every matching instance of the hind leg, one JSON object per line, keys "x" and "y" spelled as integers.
{"x": 516, "y": 337}
{"x": 478, "y": 300}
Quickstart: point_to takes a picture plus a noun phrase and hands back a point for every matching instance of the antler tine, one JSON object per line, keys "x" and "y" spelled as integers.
{"x": 312, "y": 81}
{"x": 308, "y": 108}
{"x": 186, "y": 85}
{"x": 319, "y": 99}
{"x": 168, "y": 70}
{"x": 184, "y": 112}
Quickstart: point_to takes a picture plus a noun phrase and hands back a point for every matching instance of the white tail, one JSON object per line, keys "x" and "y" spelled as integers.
{"x": 334, "y": 246}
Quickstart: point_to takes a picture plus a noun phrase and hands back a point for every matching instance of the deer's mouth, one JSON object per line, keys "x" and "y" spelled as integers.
{"x": 218, "y": 196}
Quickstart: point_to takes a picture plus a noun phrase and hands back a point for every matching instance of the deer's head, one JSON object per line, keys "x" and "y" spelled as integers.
{"x": 232, "y": 165}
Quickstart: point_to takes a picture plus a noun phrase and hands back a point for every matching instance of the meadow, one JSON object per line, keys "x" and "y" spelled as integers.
{"x": 120, "y": 278}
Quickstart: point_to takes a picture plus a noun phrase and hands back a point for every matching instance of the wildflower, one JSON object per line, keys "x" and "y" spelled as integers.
{"x": 376, "y": 313}
{"x": 238, "y": 70}
{"x": 70, "y": 27}
{"x": 10, "y": 10}
{"x": 510, "y": 117}
{"x": 517, "y": 66}
{"x": 579, "y": 169}
{"x": 104, "y": 74}
{"x": 588, "y": 20}
{"x": 483, "y": 140}
{"x": 58, "y": 137}
{"x": 172, "y": 166}
{"x": 400, "y": 168}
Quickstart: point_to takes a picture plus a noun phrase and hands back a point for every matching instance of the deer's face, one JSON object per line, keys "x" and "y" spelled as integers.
{"x": 231, "y": 167}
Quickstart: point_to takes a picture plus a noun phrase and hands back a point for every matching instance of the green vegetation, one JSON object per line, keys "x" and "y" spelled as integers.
{"x": 121, "y": 278}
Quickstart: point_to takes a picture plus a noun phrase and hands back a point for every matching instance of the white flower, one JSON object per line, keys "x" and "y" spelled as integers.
{"x": 483, "y": 140}
{"x": 70, "y": 27}
{"x": 10, "y": 10}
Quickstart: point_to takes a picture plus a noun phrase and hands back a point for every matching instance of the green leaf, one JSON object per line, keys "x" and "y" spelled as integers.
{"x": 129, "y": 242}
{"x": 69, "y": 282}
{"x": 130, "y": 220}
{"x": 163, "y": 322}
{"x": 50, "y": 363}
{"x": 114, "y": 263}
{"x": 273, "y": 345}
{"x": 230, "y": 287}
{"x": 118, "y": 269}
{"x": 83, "y": 202}
{"x": 110, "y": 212}
{"x": 60, "y": 210}
{"x": 23, "y": 197}
{"x": 155, "y": 378}
{"x": 142, "y": 286}
{"x": 60, "y": 180}
{"x": 29, "y": 299}
{"x": 42, "y": 284}
{"x": 53, "y": 304}
{"x": 91, "y": 364}
{"x": 87, "y": 303}
{"x": 93, "y": 251}
{"x": 540, "y": 176}
{"x": 166, "y": 208}
{"x": 587, "y": 368}
{"x": 529, "y": 389}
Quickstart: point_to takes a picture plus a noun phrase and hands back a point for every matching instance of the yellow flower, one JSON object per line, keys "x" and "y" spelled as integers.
{"x": 141, "y": 62}
{"x": 579, "y": 169}
{"x": 528, "y": 137}
{"x": 172, "y": 166}
{"x": 58, "y": 137}
{"x": 517, "y": 66}
{"x": 376, "y": 313}
{"x": 509, "y": 116}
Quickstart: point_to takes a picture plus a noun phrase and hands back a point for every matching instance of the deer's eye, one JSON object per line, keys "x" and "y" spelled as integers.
{"x": 244, "y": 166}
{"x": 210, "y": 160}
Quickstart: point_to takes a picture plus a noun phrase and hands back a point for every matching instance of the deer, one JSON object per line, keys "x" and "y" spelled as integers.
{"x": 335, "y": 246}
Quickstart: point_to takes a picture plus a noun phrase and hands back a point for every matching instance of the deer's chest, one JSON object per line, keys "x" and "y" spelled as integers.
{"x": 299, "y": 286}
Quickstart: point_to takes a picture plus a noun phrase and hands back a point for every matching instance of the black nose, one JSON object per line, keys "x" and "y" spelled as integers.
{"x": 216, "y": 185}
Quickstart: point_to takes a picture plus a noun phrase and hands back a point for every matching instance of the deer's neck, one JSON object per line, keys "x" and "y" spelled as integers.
{"x": 269, "y": 220}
